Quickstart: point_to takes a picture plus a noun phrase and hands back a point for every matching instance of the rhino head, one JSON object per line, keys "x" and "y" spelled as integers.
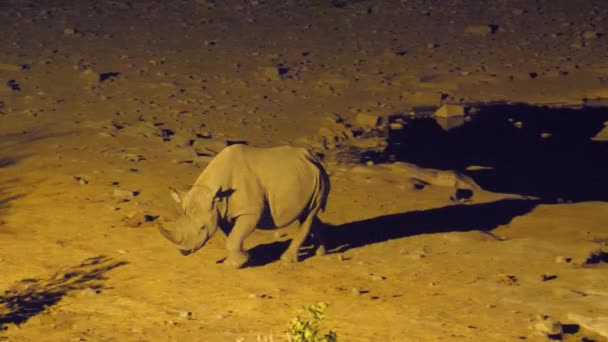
{"x": 197, "y": 221}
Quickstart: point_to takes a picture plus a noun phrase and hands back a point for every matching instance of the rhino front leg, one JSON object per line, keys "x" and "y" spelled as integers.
{"x": 244, "y": 225}
{"x": 291, "y": 254}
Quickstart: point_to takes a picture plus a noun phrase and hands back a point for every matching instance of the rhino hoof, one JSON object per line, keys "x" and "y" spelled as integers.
{"x": 237, "y": 261}
{"x": 289, "y": 258}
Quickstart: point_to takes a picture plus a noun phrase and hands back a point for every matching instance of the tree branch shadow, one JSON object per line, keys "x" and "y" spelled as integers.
{"x": 456, "y": 218}
{"x": 29, "y": 297}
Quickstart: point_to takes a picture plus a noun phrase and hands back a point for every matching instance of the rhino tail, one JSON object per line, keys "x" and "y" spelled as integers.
{"x": 323, "y": 185}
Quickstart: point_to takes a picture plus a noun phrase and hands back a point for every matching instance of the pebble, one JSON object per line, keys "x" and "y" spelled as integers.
{"x": 69, "y": 31}
{"x": 367, "y": 121}
{"x": 134, "y": 219}
{"x": 10, "y": 67}
{"x": 185, "y": 314}
{"x": 124, "y": 193}
{"x": 547, "y": 325}
{"x": 481, "y": 30}
{"x": 450, "y": 111}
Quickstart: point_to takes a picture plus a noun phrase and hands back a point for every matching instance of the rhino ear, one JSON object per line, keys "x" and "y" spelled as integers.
{"x": 220, "y": 194}
{"x": 178, "y": 196}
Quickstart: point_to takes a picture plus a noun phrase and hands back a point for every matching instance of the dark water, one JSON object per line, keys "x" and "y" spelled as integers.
{"x": 537, "y": 151}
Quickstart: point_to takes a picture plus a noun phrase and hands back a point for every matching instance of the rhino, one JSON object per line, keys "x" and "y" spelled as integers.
{"x": 244, "y": 188}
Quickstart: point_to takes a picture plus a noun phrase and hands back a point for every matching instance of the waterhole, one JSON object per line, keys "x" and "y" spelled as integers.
{"x": 545, "y": 152}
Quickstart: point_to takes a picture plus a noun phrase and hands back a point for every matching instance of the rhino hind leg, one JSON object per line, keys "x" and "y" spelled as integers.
{"x": 319, "y": 237}
{"x": 291, "y": 254}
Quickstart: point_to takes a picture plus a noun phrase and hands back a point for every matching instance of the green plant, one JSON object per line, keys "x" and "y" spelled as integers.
{"x": 307, "y": 330}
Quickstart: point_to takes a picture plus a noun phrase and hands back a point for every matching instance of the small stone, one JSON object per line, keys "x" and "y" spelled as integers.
{"x": 355, "y": 291}
{"x": 81, "y": 180}
{"x": 450, "y": 111}
{"x": 185, "y": 314}
{"x": 90, "y": 292}
{"x": 69, "y": 31}
{"x": 376, "y": 277}
{"x": 270, "y": 73}
{"x": 367, "y": 121}
{"x": 545, "y": 135}
{"x": 395, "y": 126}
{"x": 518, "y": 124}
{"x": 124, "y": 193}
{"x": 547, "y": 325}
{"x": 134, "y": 219}
{"x": 547, "y": 277}
{"x": 481, "y": 30}
{"x": 590, "y": 35}
{"x": 10, "y": 67}
{"x": 90, "y": 76}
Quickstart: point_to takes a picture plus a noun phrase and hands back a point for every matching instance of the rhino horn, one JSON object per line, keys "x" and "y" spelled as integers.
{"x": 171, "y": 235}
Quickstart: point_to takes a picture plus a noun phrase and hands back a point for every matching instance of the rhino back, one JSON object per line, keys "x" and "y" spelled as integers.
{"x": 289, "y": 180}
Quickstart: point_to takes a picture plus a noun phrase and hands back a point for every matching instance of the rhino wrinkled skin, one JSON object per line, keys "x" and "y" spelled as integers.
{"x": 245, "y": 187}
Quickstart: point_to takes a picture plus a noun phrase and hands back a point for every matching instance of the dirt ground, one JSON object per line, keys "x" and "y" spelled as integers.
{"x": 106, "y": 104}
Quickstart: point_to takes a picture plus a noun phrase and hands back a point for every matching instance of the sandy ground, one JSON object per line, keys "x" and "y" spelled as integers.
{"x": 105, "y": 104}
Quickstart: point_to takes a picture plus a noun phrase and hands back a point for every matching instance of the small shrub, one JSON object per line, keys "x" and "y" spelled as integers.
{"x": 307, "y": 330}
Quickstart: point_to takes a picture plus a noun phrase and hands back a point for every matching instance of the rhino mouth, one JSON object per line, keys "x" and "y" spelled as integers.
{"x": 186, "y": 252}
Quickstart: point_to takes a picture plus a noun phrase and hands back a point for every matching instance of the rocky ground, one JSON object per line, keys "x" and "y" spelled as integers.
{"x": 105, "y": 104}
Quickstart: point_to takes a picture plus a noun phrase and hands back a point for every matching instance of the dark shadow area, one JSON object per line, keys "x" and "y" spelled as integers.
{"x": 457, "y": 218}
{"x": 30, "y": 297}
{"x": 537, "y": 151}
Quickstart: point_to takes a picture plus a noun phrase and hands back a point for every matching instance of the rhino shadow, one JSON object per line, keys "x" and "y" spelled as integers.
{"x": 29, "y": 297}
{"x": 456, "y": 218}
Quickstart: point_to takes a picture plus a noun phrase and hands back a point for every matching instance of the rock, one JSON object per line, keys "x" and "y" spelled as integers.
{"x": 270, "y": 73}
{"x": 367, "y": 121}
{"x": 10, "y": 67}
{"x": 562, "y": 260}
{"x": 598, "y": 325}
{"x": 124, "y": 193}
{"x": 81, "y": 180}
{"x": 395, "y": 126}
{"x": 547, "y": 325}
{"x": 185, "y": 314}
{"x": 506, "y": 279}
{"x": 376, "y": 277}
{"x": 69, "y": 31}
{"x": 134, "y": 219}
{"x": 90, "y": 76}
{"x": 603, "y": 134}
{"x": 449, "y": 111}
{"x": 590, "y": 35}
{"x": 481, "y": 30}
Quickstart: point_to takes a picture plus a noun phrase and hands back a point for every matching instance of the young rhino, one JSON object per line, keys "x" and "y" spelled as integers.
{"x": 246, "y": 187}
